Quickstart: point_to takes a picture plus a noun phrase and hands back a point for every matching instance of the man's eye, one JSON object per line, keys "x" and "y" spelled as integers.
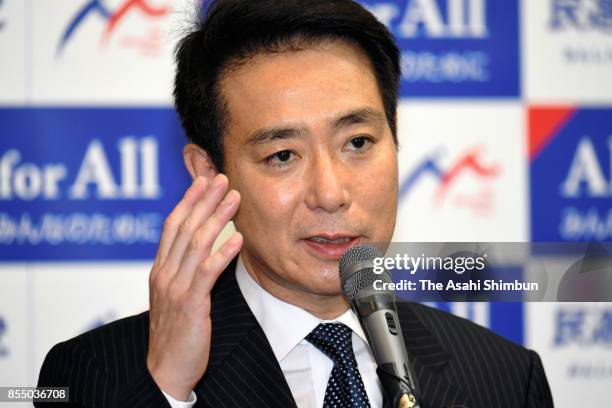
{"x": 358, "y": 143}
{"x": 281, "y": 157}
{"x": 284, "y": 156}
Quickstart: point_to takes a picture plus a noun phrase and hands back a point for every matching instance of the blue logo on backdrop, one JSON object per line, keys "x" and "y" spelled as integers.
{"x": 455, "y": 48}
{"x": 581, "y": 15}
{"x": 583, "y": 326}
{"x": 586, "y": 327}
{"x": 571, "y": 180}
{"x": 87, "y": 183}
{"x": 3, "y": 348}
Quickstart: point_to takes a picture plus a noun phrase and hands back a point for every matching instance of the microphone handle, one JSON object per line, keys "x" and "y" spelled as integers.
{"x": 378, "y": 317}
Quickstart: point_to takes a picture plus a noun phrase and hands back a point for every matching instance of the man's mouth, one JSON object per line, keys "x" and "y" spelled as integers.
{"x": 322, "y": 240}
{"x": 331, "y": 246}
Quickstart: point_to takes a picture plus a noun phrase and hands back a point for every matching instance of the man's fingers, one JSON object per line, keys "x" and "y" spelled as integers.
{"x": 198, "y": 215}
{"x": 201, "y": 244}
{"x": 209, "y": 271}
{"x": 176, "y": 217}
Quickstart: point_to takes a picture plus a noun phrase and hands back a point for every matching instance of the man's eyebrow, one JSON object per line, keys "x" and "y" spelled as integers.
{"x": 363, "y": 115}
{"x": 267, "y": 135}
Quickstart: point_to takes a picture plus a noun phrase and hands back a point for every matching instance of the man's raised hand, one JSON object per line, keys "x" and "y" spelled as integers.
{"x": 184, "y": 272}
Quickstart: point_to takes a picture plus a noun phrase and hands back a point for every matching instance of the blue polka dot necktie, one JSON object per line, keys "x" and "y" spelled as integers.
{"x": 345, "y": 388}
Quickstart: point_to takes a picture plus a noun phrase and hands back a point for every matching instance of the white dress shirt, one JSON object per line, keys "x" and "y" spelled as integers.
{"x": 305, "y": 367}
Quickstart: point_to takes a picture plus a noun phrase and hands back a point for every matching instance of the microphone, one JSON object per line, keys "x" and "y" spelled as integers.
{"x": 378, "y": 317}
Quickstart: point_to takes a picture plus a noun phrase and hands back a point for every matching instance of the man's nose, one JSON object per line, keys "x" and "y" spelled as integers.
{"x": 328, "y": 184}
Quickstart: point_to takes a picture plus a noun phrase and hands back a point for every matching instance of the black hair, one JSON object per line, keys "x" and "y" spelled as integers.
{"x": 229, "y": 32}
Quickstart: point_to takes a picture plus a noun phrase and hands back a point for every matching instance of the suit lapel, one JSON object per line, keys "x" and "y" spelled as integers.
{"x": 428, "y": 358}
{"x": 242, "y": 369}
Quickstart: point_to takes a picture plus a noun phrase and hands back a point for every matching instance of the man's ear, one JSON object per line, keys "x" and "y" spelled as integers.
{"x": 198, "y": 162}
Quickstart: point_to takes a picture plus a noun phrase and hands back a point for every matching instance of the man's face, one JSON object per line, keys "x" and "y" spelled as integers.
{"x": 309, "y": 149}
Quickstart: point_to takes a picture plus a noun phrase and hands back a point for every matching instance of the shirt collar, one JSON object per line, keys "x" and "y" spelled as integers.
{"x": 284, "y": 325}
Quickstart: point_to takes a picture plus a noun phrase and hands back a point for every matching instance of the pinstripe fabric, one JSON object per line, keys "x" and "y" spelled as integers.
{"x": 457, "y": 363}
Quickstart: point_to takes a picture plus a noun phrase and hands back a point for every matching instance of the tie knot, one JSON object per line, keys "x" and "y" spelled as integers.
{"x": 333, "y": 339}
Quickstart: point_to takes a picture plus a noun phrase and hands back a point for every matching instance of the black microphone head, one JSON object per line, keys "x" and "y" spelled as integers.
{"x": 356, "y": 254}
{"x": 357, "y": 271}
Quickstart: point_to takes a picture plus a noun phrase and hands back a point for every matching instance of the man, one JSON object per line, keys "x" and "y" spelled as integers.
{"x": 290, "y": 107}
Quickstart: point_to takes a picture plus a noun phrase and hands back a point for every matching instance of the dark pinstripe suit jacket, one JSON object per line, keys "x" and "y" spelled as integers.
{"x": 457, "y": 363}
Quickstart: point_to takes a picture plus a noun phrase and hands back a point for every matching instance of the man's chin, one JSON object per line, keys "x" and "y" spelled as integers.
{"x": 325, "y": 286}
